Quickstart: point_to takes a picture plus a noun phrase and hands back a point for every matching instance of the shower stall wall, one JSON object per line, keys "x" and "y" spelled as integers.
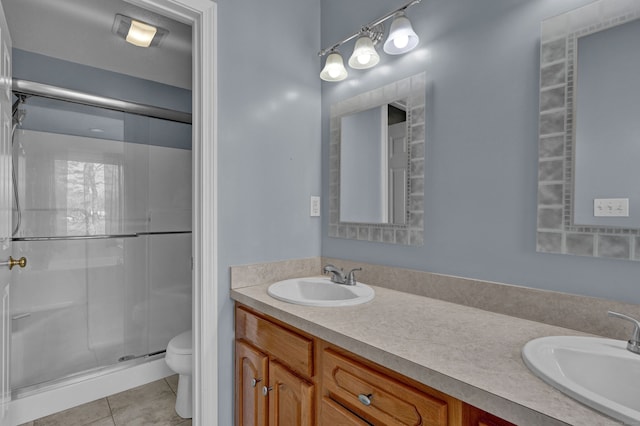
{"x": 105, "y": 221}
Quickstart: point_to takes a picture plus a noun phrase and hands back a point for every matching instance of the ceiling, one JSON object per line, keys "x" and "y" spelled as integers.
{"x": 80, "y": 31}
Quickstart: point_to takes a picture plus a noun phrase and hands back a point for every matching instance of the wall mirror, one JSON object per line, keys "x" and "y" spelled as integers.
{"x": 589, "y": 132}
{"x": 376, "y": 164}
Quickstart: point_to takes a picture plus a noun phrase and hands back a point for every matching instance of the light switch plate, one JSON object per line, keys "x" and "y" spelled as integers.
{"x": 611, "y": 207}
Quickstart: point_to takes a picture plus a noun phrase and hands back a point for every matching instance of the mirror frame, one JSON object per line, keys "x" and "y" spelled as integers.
{"x": 556, "y": 230}
{"x": 413, "y": 89}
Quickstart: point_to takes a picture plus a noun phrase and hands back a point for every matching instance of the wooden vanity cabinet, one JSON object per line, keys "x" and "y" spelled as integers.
{"x": 310, "y": 382}
{"x": 274, "y": 373}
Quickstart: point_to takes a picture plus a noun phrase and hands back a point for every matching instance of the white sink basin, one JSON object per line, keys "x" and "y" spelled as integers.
{"x": 320, "y": 291}
{"x": 600, "y": 373}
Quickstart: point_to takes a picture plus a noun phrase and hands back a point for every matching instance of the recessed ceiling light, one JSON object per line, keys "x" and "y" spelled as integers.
{"x": 137, "y": 32}
{"x": 140, "y": 34}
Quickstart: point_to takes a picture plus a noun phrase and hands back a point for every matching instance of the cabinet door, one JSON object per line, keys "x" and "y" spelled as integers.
{"x": 291, "y": 399}
{"x": 251, "y": 375}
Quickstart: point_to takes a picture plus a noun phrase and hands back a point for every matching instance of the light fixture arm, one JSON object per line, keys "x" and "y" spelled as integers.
{"x": 368, "y": 27}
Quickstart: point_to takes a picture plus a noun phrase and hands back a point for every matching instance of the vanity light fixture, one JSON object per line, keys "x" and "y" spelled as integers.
{"x": 137, "y": 32}
{"x": 402, "y": 38}
{"x": 334, "y": 69}
{"x": 364, "y": 53}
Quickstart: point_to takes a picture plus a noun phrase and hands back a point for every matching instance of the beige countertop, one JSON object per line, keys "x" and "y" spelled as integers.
{"x": 468, "y": 353}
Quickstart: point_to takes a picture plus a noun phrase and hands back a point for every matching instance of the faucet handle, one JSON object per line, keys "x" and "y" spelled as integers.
{"x": 634, "y": 343}
{"x": 351, "y": 278}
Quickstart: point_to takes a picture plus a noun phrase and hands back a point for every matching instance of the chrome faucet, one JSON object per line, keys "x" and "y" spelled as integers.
{"x": 338, "y": 276}
{"x": 633, "y": 344}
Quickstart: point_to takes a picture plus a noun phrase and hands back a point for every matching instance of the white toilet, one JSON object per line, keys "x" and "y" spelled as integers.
{"x": 179, "y": 359}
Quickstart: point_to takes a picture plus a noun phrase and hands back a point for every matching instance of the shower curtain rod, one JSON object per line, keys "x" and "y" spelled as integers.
{"x": 31, "y": 88}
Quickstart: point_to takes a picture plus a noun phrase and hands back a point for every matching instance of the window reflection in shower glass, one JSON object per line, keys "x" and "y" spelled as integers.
{"x": 90, "y": 194}
{"x": 75, "y": 186}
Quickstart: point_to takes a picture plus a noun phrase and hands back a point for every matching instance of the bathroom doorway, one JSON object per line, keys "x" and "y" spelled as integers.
{"x": 201, "y": 15}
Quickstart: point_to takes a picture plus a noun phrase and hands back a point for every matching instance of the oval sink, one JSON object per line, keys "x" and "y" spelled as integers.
{"x": 598, "y": 372}
{"x": 320, "y": 291}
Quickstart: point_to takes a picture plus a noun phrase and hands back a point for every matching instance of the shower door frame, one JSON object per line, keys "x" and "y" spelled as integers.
{"x": 202, "y": 16}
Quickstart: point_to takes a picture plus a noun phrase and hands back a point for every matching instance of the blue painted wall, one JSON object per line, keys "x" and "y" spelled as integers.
{"x": 482, "y": 60}
{"x": 269, "y": 146}
{"x": 45, "y": 69}
{"x": 73, "y": 119}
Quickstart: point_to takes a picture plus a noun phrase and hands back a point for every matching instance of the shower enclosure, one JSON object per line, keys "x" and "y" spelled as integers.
{"x": 102, "y": 212}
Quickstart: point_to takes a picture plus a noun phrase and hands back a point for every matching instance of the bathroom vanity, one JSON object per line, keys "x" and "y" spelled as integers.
{"x": 398, "y": 359}
{"x": 285, "y": 376}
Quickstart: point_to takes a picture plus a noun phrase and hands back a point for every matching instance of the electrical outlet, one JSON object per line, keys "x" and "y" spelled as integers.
{"x": 314, "y": 207}
{"x": 611, "y": 207}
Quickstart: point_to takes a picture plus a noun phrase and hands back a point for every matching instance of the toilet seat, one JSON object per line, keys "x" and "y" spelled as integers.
{"x": 181, "y": 344}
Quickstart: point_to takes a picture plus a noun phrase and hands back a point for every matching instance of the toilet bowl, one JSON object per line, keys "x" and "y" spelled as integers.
{"x": 179, "y": 358}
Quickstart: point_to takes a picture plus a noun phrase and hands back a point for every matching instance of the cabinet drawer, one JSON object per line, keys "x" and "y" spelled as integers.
{"x": 333, "y": 414}
{"x": 390, "y": 402}
{"x": 288, "y": 347}
{"x": 476, "y": 417}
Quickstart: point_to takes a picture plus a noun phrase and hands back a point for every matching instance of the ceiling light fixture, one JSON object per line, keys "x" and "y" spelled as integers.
{"x": 402, "y": 38}
{"x": 140, "y": 34}
{"x": 137, "y": 32}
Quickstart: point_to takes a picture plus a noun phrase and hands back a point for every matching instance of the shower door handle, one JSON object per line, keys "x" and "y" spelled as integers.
{"x": 22, "y": 262}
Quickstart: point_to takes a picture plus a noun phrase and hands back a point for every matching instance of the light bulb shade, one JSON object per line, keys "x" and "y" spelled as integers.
{"x": 364, "y": 54}
{"x": 401, "y": 38}
{"x": 334, "y": 69}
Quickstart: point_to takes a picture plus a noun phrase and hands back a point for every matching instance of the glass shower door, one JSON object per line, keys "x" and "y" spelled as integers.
{"x": 108, "y": 241}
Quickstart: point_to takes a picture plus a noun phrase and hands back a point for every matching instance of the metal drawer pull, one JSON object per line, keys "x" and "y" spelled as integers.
{"x": 265, "y": 390}
{"x": 254, "y": 382}
{"x": 365, "y": 399}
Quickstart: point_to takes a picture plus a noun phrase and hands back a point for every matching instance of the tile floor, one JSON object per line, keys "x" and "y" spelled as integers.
{"x": 150, "y": 404}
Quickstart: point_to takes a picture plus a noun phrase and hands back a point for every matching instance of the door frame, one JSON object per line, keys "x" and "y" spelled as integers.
{"x": 202, "y": 16}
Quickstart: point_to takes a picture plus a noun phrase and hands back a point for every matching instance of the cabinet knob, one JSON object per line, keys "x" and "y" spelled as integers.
{"x": 254, "y": 382}
{"x": 265, "y": 390}
{"x": 365, "y": 399}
